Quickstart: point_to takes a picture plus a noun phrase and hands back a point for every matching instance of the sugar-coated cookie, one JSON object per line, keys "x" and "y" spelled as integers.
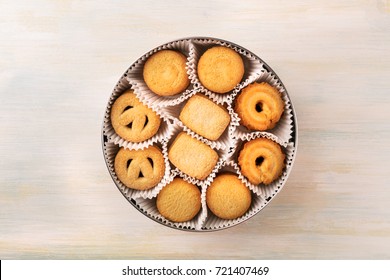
{"x": 165, "y": 73}
{"x": 261, "y": 161}
{"x": 140, "y": 169}
{"x": 227, "y": 197}
{"x": 259, "y": 106}
{"x": 220, "y": 69}
{"x": 179, "y": 201}
{"x": 192, "y": 156}
{"x": 132, "y": 120}
{"x": 204, "y": 117}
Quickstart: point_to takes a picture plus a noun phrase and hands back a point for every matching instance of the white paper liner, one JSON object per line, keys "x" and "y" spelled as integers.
{"x": 173, "y": 111}
{"x": 271, "y": 190}
{"x": 288, "y": 150}
{"x": 284, "y": 128}
{"x": 253, "y": 67}
{"x": 222, "y": 143}
{"x": 149, "y": 207}
{"x": 215, "y": 223}
{"x": 110, "y": 151}
{"x": 134, "y": 75}
{"x": 163, "y": 132}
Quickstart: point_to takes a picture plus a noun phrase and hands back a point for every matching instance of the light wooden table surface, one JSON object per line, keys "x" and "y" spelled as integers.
{"x": 59, "y": 61}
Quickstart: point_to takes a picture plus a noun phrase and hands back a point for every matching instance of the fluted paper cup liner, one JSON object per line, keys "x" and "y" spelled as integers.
{"x": 213, "y": 222}
{"x": 149, "y": 208}
{"x": 227, "y": 146}
{"x": 134, "y": 75}
{"x": 110, "y": 151}
{"x": 287, "y": 149}
{"x": 269, "y": 191}
{"x": 222, "y": 143}
{"x": 163, "y": 132}
{"x": 253, "y": 66}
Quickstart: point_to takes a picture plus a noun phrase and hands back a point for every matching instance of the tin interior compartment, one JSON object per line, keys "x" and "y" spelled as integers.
{"x": 285, "y": 133}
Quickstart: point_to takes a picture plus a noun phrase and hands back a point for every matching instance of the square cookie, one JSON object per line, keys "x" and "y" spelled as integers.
{"x": 192, "y": 156}
{"x": 204, "y": 117}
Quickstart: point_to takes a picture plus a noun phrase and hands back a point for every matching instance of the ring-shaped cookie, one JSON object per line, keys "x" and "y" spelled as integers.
{"x": 140, "y": 169}
{"x": 261, "y": 161}
{"x": 132, "y": 120}
{"x": 259, "y": 106}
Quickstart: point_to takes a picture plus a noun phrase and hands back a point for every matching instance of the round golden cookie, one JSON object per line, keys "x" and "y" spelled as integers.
{"x": 165, "y": 73}
{"x": 132, "y": 120}
{"x": 220, "y": 69}
{"x": 140, "y": 169}
{"x": 227, "y": 197}
{"x": 259, "y": 106}
{"x": 261, "y": 161}
{"x": 179, "y": 201}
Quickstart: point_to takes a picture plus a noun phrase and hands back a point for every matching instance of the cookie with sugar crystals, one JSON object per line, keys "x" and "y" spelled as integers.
{"x": 192, "y": 156}
{"x": 204, "y": 117}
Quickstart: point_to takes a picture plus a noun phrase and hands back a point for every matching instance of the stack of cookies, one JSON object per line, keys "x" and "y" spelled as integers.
{"x": 199, "y": 134}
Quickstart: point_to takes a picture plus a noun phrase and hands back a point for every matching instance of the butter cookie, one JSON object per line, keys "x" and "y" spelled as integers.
{"x": 165, "y": 73}
{"x": 179, "y": 201}
{"x": 192, "y": 156}
{"x": 204, "y": 117}
{"x": 132, "y": 120}
{"x": 140, "y": 169}
{"x": 220, "y": 69}
{"x": 261, "y": 161}
{"x": 259, "y": 106}
{"x": 227, "y": 197}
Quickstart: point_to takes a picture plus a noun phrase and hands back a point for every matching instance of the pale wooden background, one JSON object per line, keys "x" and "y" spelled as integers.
{"x": 59, "y": 61}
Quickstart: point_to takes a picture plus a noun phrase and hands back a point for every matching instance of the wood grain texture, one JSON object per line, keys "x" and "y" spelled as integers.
{"x": 59, "y": 61}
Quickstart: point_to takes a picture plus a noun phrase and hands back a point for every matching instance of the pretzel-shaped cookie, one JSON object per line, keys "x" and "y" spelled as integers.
{"x": 132, "y": 120}
{"x": 140, "y": 169}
